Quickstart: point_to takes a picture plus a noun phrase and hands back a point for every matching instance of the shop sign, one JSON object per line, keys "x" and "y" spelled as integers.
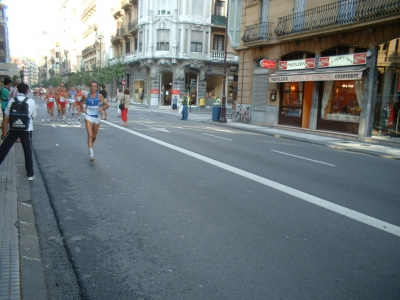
{"x": 308, "y": 63}
{"x": 175, "y": 92}
{"x": 155, "y": 91}
{"x": 268, "y": 64}
{"x": 318, "y": 77}
{"x": 343, "y": 60}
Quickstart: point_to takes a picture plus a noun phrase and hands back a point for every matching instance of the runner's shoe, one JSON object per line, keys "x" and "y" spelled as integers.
{"x": 91, "y": 158}
{"x": 31, "y": 178}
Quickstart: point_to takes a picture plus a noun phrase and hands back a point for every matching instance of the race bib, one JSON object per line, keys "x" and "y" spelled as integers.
{"x": 79, "y": 98}
{"x": 62, "y": 99}
{"x": 51, "y": 99}
{"x": 92, "y": 110}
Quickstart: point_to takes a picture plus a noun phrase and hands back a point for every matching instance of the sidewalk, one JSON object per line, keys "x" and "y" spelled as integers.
{"x": 384, "y": 147}
{"x": 21, "y": 269}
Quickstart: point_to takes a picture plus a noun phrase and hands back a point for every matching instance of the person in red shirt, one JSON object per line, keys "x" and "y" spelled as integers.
{"x": 50, "y": 100}
{"x": 78, "y": 98}
{"x": 62, "y": 101}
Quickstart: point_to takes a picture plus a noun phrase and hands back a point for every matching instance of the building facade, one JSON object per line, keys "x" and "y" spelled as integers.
{"x": 172, "y": 48}
{"x": 322, "y": 65}
{"x": 6, "y": 67}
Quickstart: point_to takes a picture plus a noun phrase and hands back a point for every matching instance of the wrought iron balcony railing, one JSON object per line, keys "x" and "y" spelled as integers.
{"x": 123, "y": 30}
{"x": 334, "y": 14}
{"x": 133, "y": 25}
{"x": 88, "y": 49}
{"x": 257, "y": 32}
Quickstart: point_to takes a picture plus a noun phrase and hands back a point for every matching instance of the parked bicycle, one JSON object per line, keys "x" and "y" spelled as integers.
{"x": 241, "y": 114}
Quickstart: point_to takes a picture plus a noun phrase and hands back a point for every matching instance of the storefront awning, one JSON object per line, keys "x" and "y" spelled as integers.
{"x": 318, "y": 75}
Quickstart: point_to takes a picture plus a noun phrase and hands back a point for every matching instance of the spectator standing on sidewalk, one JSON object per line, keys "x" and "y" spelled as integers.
{"x": 185, "y": 108}
{"x": 5, "y": 95}
{"x": 118, "y": 98}
{"x": 124, "y": 112}
{"x": 25, "y": 135}
{"x": 175, "y": 103}
{"x": 14, "y": 90}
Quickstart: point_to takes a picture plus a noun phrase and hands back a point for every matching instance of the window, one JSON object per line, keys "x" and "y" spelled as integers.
{"x": 127, "y": 47}
{"x": 220, "y": 8}
{"x": 163, "y": 40}
{"x": 218, "y": 42}
{"x": 57, "y": 54}
{"x": 196, "y": 44}
{"x": 163, "y": 8}
{"x": 136, "y": 44}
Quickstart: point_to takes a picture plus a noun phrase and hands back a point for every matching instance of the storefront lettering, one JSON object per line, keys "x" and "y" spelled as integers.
{"x": 348, "y": 76}
{"x": 318, "y": 77}
{"x": 278, "y": 79}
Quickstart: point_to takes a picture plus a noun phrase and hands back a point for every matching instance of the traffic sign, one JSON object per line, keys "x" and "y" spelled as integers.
{"x": 124, "y": 82}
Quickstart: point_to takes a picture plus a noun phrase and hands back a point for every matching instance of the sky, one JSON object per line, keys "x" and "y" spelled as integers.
{"x": 27, "y": 20}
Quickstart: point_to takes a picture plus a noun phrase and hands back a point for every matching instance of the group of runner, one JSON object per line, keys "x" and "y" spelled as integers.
{"x": 59, "y": 97}
{"x": 92, "y": 105}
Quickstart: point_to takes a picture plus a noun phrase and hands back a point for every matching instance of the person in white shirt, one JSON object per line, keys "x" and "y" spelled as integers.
{"x": 24, "y": 134}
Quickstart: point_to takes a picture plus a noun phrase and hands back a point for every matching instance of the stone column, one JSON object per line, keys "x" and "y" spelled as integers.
{"x": 368, "y": 103}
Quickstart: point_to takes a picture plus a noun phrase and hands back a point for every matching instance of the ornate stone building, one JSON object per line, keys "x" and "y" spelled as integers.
{"x": 322, "y": 65}
{"x": 173, "y": 47}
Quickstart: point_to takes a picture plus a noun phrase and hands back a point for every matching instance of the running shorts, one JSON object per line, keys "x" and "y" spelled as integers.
{"x": 93, "y": 119}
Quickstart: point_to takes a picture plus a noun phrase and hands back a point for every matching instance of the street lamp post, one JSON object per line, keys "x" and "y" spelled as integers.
{"x": 222, "y": 118}
{"x": 100, "y": 38}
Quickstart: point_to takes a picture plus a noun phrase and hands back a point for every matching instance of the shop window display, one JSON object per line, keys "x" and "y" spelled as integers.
{"x": 342, "y": 100}
{"x": 292, "y": 99}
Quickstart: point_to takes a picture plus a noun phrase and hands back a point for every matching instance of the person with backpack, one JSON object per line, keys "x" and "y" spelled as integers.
{"x": 19, "y": 116}
{"x": 4, "y": 94}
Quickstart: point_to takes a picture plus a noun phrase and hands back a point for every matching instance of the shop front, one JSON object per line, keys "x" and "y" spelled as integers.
{"x": 334, "y": 86}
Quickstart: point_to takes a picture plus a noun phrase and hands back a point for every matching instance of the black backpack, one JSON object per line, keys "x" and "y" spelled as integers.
{"x": 19, "y": 115}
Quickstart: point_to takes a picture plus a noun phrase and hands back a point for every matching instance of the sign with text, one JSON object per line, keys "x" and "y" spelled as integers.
{"x": 175, "y": 92}
{"x": 357, "y": 75}
{"x": 155, "y": 91}
{"x": 308, "y": 63}
{"x": 268, "y": 64}
{"x": 343, "y": 60}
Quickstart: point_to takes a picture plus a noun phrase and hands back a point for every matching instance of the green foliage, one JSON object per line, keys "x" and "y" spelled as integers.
{"x": 54, "y": 81}
{"x": 110, "y": 73}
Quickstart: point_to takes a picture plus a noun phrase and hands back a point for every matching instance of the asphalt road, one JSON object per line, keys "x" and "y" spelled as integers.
{"x": 177, "y": 209}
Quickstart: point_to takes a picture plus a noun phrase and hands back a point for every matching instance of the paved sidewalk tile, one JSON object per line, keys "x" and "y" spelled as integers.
{"x": 9, "y": 248}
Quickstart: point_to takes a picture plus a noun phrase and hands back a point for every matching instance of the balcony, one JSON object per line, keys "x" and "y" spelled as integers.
{"x": 257, "y": 32}
{"x": 89, "y": 49}
{"x": 336, "y": 14}
{"x": 126, "y": 58}
{"x": 218, "y": 20}
{"x": 90, "y": 9}
{"x": 133, "y": 25}
{"x": 124, "y": 30}
{"x": 219, "y": 55}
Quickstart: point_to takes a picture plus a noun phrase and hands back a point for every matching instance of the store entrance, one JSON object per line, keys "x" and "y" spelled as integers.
{"x": 296, "y": 103}
{"x": 166, "y": 88}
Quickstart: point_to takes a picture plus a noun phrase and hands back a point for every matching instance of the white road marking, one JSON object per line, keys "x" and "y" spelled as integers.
{"x": 352, "y": 214}
{"x": 317, "y": 161}
{"x": 155, "y": 128}
{"x": 144, "y": 119}
{"x": 218, "y": 137}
